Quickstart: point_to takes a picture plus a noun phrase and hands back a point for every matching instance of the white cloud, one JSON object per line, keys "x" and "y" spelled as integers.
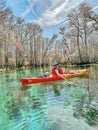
{"x": 96, "y": 7}
{"x": 57, "y": 12}
{"x": 29, "y": 8}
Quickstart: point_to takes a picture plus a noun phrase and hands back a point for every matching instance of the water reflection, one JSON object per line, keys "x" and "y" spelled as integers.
{"x": 61, "y": 107}
{"x": 84, "y": 108}
{"x": 94, "y": 72}
{"x": 63, "y": 119}
{"x": 20, "y": 103}
{"x": 64, "y": 105}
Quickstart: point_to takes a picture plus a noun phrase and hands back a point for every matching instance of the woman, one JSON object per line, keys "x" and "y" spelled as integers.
{"x": 56, "y": 71}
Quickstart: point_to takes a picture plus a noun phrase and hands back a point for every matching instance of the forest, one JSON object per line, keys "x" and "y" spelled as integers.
{"x": 23, "y": 44}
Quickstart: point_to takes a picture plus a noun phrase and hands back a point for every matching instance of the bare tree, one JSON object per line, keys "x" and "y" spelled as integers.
{"x": 34, "y": 30}
{"x": 48, "y": 48}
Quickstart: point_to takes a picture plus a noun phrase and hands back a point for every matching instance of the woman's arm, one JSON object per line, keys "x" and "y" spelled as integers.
{"x": 57, "y": 72}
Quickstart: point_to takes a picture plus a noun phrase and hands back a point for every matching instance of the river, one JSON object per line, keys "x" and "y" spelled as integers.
{"x": 64, "y": 105}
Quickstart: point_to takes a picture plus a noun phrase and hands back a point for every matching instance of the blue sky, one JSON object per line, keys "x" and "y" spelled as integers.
{"x": 50, "y": 14}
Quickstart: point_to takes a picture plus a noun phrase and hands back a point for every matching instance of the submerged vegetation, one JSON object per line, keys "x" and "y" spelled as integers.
{"x": 23, "y": 44}
{"x": 76, "y": 95}
{"x": 62, "y": 104}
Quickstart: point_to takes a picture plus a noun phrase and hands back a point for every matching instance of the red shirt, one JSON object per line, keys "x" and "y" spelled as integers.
{"x": 59, "y": 70}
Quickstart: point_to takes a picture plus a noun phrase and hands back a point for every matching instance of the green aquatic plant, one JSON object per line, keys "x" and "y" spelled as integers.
{"x": 14, "y": 107}
{"x": 91, "y": 115}
{"x": 84, "y": 108}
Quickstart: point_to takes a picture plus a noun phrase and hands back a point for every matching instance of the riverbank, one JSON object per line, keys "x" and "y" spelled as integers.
{"x": 4, "y": 69}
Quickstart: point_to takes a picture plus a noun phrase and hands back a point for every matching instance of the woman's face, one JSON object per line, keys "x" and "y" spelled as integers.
{"x": 56, "y": 66}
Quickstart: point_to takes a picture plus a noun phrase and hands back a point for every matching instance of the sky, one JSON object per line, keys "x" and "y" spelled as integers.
{"x": 50, "y": 14}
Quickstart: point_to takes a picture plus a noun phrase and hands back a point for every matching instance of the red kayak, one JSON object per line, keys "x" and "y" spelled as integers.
{"x": 70, "y": 74}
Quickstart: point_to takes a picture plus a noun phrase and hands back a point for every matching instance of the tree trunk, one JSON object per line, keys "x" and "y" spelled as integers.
{"x": 78, "y": 43}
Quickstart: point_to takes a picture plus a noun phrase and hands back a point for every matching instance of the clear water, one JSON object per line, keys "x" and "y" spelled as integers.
{"x": 64, "y": 105}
